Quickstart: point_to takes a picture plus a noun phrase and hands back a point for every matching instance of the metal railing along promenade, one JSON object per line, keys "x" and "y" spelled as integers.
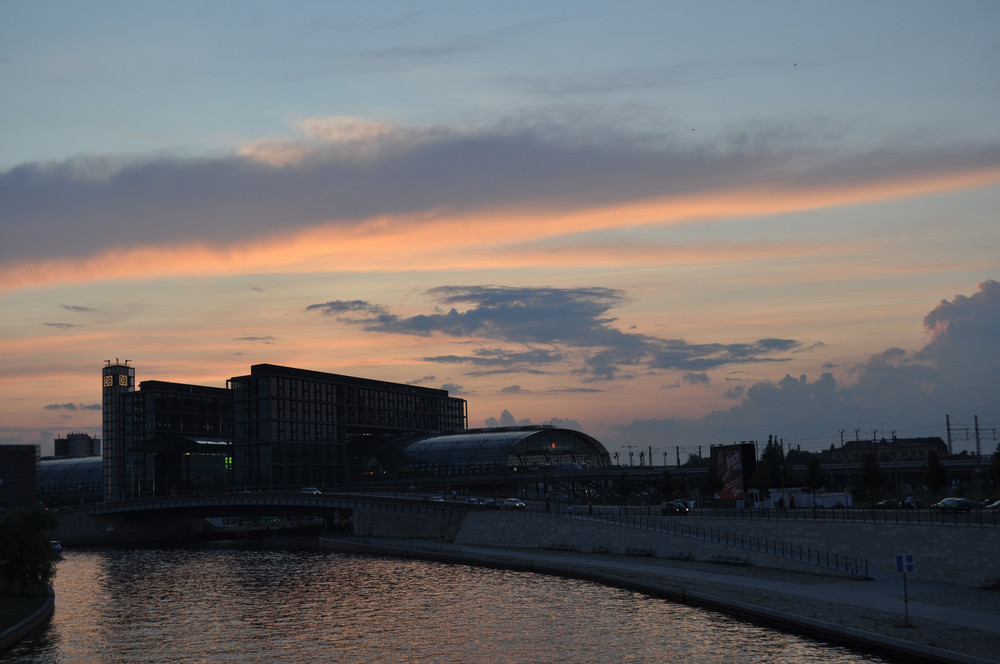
{"x": 680, "y": 528}
{"x": 921, "y": 516}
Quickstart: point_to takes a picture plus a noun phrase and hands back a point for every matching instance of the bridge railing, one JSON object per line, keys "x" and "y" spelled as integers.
{"x": 679, "y": 528}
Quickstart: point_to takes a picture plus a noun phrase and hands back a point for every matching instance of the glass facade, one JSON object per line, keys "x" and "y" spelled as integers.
{"x": 481, "y": 452}
{"x": 65, "y": 482}
{"x": 295, "y": 427}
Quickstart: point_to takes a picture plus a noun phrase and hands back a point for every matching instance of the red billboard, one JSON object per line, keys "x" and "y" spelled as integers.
{"x": 735, "y": 465}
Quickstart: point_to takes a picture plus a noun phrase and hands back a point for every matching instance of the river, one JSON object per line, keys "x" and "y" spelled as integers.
{"x": 240, "y": 603}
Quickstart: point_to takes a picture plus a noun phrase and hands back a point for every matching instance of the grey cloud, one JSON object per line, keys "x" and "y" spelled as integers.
{"x": 73, "y": 406}
{"x": 512, "y": 389}
{"x": 696, "y": 378}
{"x": 268, "y": 340}
{"x": 454, "y": 389}
{"x": 72, "y": 307}
{"x": 61, "y": 326}
{"x": 491, "y": 357}
{"x": 564, "y": 318}
{"x": 335, "y": 307}
{"x": 507, "y": 419}
{"x": 955, "y": 374}
{"x": 82, "y": 206}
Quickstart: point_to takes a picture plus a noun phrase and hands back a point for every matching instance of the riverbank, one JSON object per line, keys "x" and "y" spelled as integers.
{"x": 939, "y": 622}
{"x": 17, "y": 626}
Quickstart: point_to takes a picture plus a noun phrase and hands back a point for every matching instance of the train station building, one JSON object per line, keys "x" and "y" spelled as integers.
{"x": 273, "y": 428}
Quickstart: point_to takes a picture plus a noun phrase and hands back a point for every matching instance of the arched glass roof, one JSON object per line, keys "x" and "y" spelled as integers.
{"x": 82, "y": 475}
{"x": 498, "y": 451}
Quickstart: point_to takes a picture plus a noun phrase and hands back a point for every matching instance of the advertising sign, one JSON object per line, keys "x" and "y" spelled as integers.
{"x": 735, "y": 465}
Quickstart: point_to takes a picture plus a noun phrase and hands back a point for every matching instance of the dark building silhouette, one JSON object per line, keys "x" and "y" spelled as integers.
{"x": 295, "y": 427}
{"x": 177, "y": 438}
{"x": 118, "y": 380}
{"x": 275, "y": 428}
{"x": 77, "y": 445}
{"x": 19, "y": 470}
{"x": 893, "y": 449}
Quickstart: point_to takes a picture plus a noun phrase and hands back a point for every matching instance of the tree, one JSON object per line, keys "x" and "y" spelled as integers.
{"x": 27, "y": 562}
{"x": 871, "y": 475}
{"x": 935, "y": 474}
{"x": 695, "y": 461}
{"x": 814, "y": 473}
{"x": 773, "y": 461}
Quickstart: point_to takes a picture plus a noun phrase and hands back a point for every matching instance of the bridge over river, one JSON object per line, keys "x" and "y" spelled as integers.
{"x": 957, "y": 549}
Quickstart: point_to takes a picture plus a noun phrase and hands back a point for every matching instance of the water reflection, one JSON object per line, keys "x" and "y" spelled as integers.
{"x": 233, "y": 604}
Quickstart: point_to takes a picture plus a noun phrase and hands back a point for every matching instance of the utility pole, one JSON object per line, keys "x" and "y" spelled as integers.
{"x": 976, "y": 418}
{"x": 947, "y": 425}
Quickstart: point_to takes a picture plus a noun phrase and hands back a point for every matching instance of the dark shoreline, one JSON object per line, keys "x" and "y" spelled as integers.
{"x": 36, "y": 621}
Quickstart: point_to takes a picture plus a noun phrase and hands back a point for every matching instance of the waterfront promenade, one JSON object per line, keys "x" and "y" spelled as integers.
{"x": 947, "y": 622}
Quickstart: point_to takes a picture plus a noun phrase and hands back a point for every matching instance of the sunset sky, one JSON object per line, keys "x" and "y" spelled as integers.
{"x": 665, "y": 224}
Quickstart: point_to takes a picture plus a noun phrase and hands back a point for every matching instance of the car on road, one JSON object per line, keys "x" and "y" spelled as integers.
{"x": 436, "y": 499}
{"x": 993, "y": 506}
{"x": 674, "y": 508}
{"x": 311, "y": 490}
{"x": 954, "y": 505}
{"x": 490, "y": 504}
{"x": 513, "y": 504}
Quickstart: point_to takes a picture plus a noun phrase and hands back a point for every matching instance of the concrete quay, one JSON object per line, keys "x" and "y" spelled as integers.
{"x": 29, "y": 625}
{"x": 940, "y": 622}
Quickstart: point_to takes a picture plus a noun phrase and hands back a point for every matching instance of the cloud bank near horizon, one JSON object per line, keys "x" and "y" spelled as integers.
{"x": 956, "y": 373}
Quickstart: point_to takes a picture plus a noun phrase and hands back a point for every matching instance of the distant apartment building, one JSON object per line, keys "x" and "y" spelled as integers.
{"x": 890, "y": 450}
{"x": 19, "y": 471}
{"x": 77, "y": 445}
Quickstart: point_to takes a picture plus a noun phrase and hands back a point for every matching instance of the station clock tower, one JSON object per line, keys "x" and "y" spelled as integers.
{"x": 118, "y": 379}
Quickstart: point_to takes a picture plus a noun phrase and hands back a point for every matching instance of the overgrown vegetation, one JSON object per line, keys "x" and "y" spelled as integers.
{"x": 27, "y": 560}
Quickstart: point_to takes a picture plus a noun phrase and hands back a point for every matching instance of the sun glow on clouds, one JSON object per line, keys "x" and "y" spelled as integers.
{"x": 443, "y": 240}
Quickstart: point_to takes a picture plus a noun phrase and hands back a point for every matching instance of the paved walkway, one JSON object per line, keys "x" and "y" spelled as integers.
{"x": 947, "y": 623}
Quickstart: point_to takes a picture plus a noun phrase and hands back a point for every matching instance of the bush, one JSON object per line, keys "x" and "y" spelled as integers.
{"x": 27, "y": 561}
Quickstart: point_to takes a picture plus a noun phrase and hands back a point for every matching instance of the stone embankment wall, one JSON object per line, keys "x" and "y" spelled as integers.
{"x": 439, "y": 526}
{"x": 964, "y": 555}
{"x": 952, "y": 553}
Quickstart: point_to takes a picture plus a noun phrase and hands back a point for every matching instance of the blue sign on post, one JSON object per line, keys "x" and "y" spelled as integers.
{"x": 904, "y": 563}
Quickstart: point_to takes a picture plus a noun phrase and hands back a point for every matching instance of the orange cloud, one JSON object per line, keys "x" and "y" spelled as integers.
{"x": 444, "y": 240}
